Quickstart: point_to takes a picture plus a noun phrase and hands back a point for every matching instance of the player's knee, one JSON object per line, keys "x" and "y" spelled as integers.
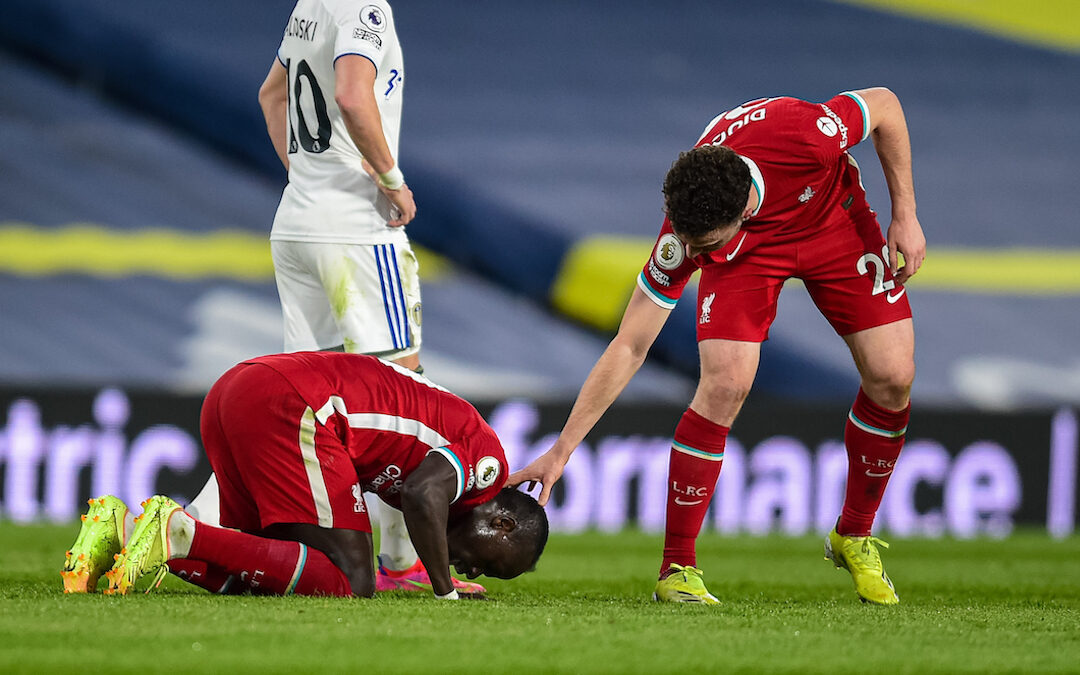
{"x": 718, "y": 397}
{"x": 362, "y": 584}
{"x": 351, "y": 552}
{"x": 901, "y": 377}
{"x": 356, "y": 563}
{"x": 361, "y": 577}
{"x": 892, "y": 388}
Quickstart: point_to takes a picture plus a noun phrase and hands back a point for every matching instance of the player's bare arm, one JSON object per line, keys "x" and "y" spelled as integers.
{"x": 425, "y": 502}
{"x": 889, "y": 132}
{"x": 641, "y": 323}
{"x": 354, "y": 86}
{"x": 274, "y": 101}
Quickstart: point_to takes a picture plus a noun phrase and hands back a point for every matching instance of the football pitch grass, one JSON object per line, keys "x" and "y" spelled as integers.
{"x": 971, "y": 606}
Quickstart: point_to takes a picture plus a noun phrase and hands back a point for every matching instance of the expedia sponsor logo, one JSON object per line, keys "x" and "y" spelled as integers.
{"x": 658, "y": 276}
{"x": 367, "y": 36}
{"x": 303, "y": 29}
{"x": 669, "y": 252}
{"x": 825, "y": 128}
{"x": 487, "y": 471}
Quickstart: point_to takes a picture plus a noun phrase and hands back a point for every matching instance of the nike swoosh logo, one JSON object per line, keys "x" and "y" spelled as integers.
{"x": 893, "y": 298}
{"x": 732, "y": 254}
{"x": 877, "y": 475}
{"x": 682, "y": 503}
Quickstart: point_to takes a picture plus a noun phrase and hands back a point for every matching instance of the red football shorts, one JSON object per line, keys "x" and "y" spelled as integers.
{"x": 274, "y": 462}
{"x": 844, "y": 265}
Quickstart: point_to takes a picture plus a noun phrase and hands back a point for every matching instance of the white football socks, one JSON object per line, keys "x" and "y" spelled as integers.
{"x": 396, "y": 551}
{"x": 129, "y": 527}
{"x": 180, "y": 531}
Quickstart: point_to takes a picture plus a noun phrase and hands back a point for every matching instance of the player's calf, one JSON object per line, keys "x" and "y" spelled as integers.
{"x": 350, "y": 551}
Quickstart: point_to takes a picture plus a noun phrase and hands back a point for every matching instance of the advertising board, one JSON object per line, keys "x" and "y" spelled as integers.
{"x": 961, "y": 474}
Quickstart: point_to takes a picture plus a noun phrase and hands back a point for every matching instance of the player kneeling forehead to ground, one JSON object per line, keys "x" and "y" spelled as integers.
{"x": 295, "y": 440}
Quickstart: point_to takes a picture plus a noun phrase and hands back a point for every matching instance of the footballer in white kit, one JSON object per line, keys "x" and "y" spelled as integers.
{"x": 345, "y": 276}
{"x": 345, "y": 272}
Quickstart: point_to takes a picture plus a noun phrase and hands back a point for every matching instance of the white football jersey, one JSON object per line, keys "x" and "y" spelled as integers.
{"x": 329, "y": 197}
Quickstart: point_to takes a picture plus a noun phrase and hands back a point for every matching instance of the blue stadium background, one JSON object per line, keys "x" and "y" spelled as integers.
{"x": 535, "y": 137}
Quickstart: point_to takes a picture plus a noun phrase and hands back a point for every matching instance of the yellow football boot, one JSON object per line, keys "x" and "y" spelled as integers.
{"x": 683, "y": 584}
{"x": 100, "y": 538}
{"x": 859, "y": 555}
{"x": 148, "y": 550}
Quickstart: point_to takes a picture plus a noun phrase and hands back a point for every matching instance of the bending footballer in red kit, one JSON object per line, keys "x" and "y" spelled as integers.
{"x": 770, "y": 193}
{"x": 295, "y": 440}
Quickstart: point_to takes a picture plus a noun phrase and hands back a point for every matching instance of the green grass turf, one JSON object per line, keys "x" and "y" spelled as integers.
{"x": 979, "y": 606}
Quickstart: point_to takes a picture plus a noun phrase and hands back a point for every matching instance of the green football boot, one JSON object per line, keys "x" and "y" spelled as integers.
{"x": 148, "y": 550}
{"x": 100, "y": 538}
{"x": 683, "y": 584}
{"x": 859, "y": 555}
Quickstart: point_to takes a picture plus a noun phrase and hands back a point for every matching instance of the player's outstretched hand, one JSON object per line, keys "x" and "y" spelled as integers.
{"x": 545, "y": 469}
{"x": 401, "y": 199}
{"x": 906, "y": 237}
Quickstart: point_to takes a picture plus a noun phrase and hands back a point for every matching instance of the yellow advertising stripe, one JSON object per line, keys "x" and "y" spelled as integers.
{"x": 596, "y": 279}
{"x": 1014, "y": 271}
{"x": 96, "y": 250}
{"x": 599, "y": 274}
{"x": 27, "y": 250}
{"x": 1053, "y": 23}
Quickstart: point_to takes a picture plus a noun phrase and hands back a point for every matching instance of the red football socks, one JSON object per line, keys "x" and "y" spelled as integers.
{"x": 204, "y": 575}
{"x": 267, "y": 566}
{"x": 693, "y": 468}
{"x": 874, "y": 437}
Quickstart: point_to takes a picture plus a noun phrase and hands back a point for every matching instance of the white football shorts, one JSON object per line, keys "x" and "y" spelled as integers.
{"x": 363, "y": 297}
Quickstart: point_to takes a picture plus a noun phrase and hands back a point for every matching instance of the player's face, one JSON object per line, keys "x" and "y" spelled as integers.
{"x": 710, "y": 241}
{"x": 482, "y": 548}
{"x": 476, "y": 563}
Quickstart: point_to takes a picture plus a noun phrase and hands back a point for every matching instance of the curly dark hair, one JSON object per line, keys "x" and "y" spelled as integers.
{"x": 706, "y": 188}
{"x": 531, "y": 534}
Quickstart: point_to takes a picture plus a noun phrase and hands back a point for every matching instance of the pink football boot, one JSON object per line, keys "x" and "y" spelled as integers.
{"x": 416, "y": 579}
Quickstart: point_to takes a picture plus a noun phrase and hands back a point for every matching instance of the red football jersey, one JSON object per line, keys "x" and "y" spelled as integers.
{"x": 799, "y": 164}
{"x": 389, "y": 419}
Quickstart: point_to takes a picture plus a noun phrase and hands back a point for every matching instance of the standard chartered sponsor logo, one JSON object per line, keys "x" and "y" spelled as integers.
{"x": 390, "y": 475}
